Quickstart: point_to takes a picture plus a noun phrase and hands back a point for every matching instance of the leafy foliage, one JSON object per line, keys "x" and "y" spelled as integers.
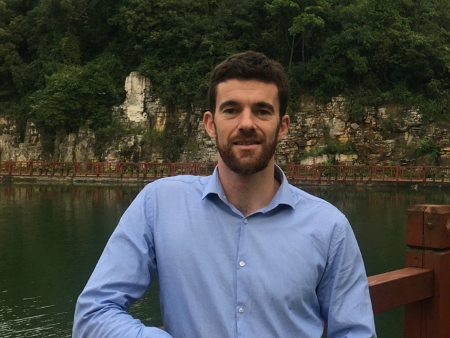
{"x": 428, "y": 147}
{"x": 75, "y": 96}
{"x": 174, "y": 148}
{"x": 64, "y": 62}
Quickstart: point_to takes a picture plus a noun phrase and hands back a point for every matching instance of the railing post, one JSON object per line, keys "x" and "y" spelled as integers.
{"x": 8, "y": 167}
{"x": 121, "y": 168}
{"x": 370, "y": 172}
{"x": 145, "y": 168}
{"x": 53, "y": 167}
{"x": 74, "y": 168}
{"x": 396, "y": 173}
{"x": 30, "y": 167}
{"x": 428, "y": 238}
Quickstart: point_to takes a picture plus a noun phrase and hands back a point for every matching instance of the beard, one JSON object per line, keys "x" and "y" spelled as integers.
{"x": 248, "y": 162}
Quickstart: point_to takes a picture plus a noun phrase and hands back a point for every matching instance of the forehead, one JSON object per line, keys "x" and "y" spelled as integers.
{"x": 247, "y": 92}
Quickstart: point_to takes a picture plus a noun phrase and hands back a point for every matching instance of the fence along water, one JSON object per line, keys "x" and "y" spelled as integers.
{"x": 295, "y": 172}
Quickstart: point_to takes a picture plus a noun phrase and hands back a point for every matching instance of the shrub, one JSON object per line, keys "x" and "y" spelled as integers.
{"x": 428, "y": 147}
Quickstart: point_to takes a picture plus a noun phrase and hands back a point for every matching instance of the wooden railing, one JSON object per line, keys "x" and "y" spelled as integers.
{"x": 423, "y": 287}
{"x": 294, "y": 172}
{"x": 319, "y": 172}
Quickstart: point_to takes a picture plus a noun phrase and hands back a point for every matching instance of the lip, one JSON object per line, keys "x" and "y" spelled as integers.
{"x": 246, "y": 144}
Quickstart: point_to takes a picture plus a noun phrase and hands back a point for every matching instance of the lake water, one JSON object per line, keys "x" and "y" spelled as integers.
{"x": 51, "y": 237}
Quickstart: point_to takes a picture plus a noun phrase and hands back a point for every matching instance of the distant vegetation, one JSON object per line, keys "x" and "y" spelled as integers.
{"x": 63, "y": 63}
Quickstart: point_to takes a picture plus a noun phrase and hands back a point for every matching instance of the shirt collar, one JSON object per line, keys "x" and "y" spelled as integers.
{"x": 283, "y": 196}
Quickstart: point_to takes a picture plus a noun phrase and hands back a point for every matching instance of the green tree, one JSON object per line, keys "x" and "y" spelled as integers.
{"x": 298, "y": 21}
{"x": 76, "y": 96}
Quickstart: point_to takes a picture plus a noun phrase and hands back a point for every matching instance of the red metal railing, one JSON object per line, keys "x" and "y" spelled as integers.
{"x": 103, "y": 169}
{"x": 318, "y": 172}
{"x": 294, "y": 172}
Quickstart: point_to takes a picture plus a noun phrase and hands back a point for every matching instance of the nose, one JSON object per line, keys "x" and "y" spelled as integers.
{"x": 246, "y": 121}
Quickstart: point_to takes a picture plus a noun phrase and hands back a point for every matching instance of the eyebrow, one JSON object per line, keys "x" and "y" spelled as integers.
{"x": 259, "y": 104}
{"x": 227, "y": 104}
{"x": 262, "y": 104}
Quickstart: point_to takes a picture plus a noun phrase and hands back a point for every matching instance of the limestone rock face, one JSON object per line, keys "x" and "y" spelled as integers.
{"x": 137, "y": 88}
{"x": 79, "y": 147}
{"x": 383, "y": 135}
{"x": 11, "y": 146}
{"x": 200, "y": 147}
{"x": 143, "y": 113}
{"x": 141, "y": 107}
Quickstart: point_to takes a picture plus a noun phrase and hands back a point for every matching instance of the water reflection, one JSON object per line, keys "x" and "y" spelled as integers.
{"x": 51, "y": 239}
{"x": 52, "y": 235}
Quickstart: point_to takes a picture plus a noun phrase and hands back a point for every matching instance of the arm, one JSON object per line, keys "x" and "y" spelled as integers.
{"x": 122, "y": 275}
{"x": 343, "y": 290}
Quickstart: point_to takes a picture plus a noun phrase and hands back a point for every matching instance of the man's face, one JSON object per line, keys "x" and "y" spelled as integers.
{"x": 246, "y": 124}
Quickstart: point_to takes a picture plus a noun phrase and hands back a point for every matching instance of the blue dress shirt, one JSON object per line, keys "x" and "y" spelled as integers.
{"x": 282, "y": 271}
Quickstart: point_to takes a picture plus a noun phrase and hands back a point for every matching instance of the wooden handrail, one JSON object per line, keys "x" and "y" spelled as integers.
{"x": 400, "y": 287}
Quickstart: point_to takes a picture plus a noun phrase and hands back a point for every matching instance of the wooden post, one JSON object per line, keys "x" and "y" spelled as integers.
{"x": 428, "y": 238}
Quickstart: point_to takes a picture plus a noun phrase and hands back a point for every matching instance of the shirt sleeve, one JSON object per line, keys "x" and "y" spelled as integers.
{"x": 122, "y": 275}
{"x": 343, "y": 291}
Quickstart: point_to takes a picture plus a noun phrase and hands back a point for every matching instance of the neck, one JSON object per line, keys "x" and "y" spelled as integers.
{"x": 249, "y": 193}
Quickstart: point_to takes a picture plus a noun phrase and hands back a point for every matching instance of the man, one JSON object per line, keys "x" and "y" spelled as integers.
{"x": 240, "y": 253}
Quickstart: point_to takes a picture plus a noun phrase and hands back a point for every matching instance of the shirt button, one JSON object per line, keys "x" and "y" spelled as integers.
{"x": 241, "y": 310}
{"x": 245, "y": 220}
{"x": 241, "y": 263}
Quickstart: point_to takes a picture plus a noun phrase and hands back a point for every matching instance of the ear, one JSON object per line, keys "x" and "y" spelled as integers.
{"x": 208, "y": 123}
{"x": 284, "y": 127}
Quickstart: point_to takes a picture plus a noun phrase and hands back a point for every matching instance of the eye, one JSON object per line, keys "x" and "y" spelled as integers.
{"x": 264, "y": 112}
{"x": 230, "y": 111}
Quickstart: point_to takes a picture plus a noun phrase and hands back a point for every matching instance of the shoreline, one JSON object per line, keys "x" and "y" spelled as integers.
{"x": 110, "y": 181}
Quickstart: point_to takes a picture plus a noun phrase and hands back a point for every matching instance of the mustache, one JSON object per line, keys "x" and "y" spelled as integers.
{"x": 247, "y": 136}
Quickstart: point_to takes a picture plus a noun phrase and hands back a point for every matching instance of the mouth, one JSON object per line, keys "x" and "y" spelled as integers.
{"x": 246, "y": 143}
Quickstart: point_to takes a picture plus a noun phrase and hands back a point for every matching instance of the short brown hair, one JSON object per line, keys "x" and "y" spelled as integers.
{"x": 250, "y": 66}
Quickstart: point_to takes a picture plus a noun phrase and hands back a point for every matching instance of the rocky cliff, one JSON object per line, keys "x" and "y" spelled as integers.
{"x": 153, "y": 132}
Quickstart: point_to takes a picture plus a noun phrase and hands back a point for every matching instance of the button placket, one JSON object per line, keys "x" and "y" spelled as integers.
{"x": 242, "y": 293}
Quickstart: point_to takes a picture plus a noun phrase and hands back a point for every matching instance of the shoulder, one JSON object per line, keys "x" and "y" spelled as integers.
{"x": 322, "y": 215}
{"x": 306, "y": 200}
{"x": 177, "y": 186}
